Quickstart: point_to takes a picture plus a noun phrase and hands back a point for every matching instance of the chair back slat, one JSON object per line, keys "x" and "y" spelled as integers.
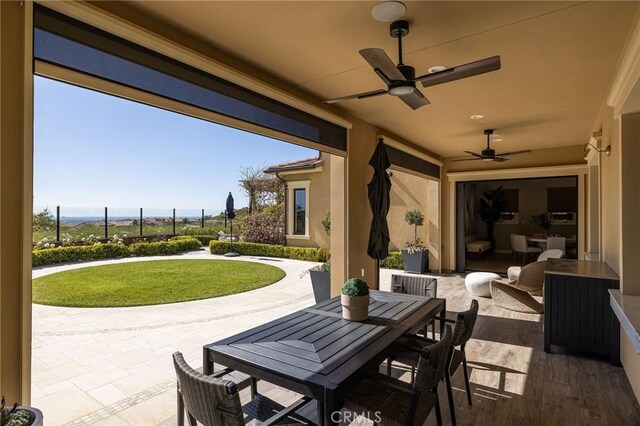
{"x": 432, "y": 364}
{"x": 415, "y": 285}
{"x": 211, "y": 401}
{"x": 465, "y": 321}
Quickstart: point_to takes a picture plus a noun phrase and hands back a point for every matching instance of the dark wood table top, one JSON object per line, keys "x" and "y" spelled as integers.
{"x": 315, "y": 346}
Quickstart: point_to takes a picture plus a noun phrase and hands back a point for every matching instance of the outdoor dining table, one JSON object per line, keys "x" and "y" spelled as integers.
{"x": 316, "y": 353}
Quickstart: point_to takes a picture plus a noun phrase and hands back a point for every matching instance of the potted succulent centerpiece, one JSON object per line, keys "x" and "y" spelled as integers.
{"x": 415, "y": 254}
{"x": 17, "y": 415}
{"x": 355, "y": 300}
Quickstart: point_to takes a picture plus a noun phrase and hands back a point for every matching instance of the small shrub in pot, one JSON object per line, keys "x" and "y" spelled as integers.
{"x": 355, "y": 300}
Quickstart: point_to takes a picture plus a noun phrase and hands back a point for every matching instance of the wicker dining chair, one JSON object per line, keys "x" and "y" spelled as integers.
{"x": 408, "y": 350}
{"x": 215, "y": 401}
{"x": 391, "y": 402}
{"x": 416, "y": 285}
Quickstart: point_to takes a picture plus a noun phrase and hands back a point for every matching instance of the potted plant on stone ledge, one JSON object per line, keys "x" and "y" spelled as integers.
{"x": 355, "y": 300}
{"x": 415, "y": 254}
{"x": 17, "y": 415}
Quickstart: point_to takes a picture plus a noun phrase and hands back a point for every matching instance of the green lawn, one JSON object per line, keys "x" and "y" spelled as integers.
{"x": 151, "y": 282}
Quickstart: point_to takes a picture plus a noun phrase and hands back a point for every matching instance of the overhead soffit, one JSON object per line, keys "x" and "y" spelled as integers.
{"x": 558, "y": 61}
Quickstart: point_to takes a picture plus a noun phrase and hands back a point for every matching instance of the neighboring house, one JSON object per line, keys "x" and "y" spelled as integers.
{"x": 307, "y": 200}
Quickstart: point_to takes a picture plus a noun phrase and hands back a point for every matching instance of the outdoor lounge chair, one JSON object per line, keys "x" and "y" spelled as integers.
{"x": 416, "y": 285}
{"x": 408, "y": 349}
{"x": 514, "y": 271}
{"x": 391, "y": 401}
{"x": 214, "y": 400}
{"x": 517, "y": 295}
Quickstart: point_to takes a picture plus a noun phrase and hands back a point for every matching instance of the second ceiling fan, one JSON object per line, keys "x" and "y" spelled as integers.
{"x": 489, "y": 154}
{"x": 401, "y": 79}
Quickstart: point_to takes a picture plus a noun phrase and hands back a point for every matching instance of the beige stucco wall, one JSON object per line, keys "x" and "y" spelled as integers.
{"x": 408, "y": 192}
{"x": 319, "y": 204}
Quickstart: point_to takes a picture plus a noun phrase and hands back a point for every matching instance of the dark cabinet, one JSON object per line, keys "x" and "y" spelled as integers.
{"x": 578, "y": 315}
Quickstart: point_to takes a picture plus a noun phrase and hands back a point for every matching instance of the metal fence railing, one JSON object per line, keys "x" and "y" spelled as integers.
{"x": 74, "y": 223}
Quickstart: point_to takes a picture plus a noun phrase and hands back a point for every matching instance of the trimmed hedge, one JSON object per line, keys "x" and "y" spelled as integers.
{"x": 270, "y": 250}
{"x": 204, "y": 239}
{"x": 393, "y": 261}
{"x": 110, "y": 251}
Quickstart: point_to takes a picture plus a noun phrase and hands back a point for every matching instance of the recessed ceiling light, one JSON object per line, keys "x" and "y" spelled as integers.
{"x": 498, "y": 140}
{"x": 436, "y": 68}
{"x": 495, "y": 135}
{"x": 389, "y": 11}
{"x": 477, "y": 117}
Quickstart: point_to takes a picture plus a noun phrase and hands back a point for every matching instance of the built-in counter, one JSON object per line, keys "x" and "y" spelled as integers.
{"x": 578, "y": 314}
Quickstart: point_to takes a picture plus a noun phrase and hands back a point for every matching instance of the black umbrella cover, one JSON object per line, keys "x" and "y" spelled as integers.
{"x": 379, "y": 198}
{"x": 230, "y": 210}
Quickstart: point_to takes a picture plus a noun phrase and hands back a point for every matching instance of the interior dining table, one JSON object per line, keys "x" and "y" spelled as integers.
{"x": 542, "y": 241}
{"x": 318, "y": 354}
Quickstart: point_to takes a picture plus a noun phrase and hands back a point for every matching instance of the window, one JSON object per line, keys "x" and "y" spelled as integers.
{"x": 300, "y": 212}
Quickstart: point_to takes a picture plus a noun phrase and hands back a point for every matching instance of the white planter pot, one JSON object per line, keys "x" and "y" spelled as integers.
{"x": 355, "y": 308}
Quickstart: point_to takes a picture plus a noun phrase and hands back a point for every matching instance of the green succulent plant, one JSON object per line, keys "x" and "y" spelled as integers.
{"x": 355, "y": 287}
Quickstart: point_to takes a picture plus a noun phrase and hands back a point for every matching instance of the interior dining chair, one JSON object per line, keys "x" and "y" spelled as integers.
{"x": 559, "y": 243}
{"x": 520, "y": 246}
{"x": 215, "y": 401}
{"x": 409, "y": 347}
{"x": 392, "y": 402}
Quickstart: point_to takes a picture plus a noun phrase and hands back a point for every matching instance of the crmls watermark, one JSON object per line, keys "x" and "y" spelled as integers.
{"x": 351, "y": 416}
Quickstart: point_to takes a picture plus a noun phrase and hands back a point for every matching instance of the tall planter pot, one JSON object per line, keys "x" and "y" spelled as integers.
{"x": 416, "y": 263}
{"x": 321, "y": 283}
{"x": 355, "y": 308}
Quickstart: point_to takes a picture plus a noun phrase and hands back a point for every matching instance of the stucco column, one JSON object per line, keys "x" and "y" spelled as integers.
{"x": 16, "y": 129}
{"x": 630, "y": 202}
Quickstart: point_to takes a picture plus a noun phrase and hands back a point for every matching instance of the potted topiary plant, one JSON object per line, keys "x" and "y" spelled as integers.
{"x": 17, "y": 415}
{"x": 355, "y": 300}
{"x": 415, "y": 254}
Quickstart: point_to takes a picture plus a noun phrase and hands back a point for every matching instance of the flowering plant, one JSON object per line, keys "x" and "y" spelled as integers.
{"x": 415, "y": 246}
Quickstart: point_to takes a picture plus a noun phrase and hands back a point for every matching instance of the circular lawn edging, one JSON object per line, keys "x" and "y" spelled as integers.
{"x": 151, "y": 282}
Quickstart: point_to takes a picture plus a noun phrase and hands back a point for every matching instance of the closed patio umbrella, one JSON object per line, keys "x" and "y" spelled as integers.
{"x": 230, "y": 215}
{"x": 379, "y": 199}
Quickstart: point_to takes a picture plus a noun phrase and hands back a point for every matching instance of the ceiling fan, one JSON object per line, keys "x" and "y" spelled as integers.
{"x": 489, "y": 154}
{"x": 401, "y": 79}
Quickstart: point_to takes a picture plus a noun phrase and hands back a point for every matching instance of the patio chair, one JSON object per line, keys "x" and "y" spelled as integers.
{"x": 213, "y": 400}
{"x": 418, "y": 286}
{"x": 409, "y": 348}
{"x": 391, "y": 401}
{"x": 514, "y": 271}
{"x": 520, "y": 245}
{"x": 516, "y": 295}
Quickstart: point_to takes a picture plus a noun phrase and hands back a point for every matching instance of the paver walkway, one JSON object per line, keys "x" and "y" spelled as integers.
{"x": 112, "y": 366}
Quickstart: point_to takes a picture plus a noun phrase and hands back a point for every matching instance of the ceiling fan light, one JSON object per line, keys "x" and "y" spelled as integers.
{"x": 401, "y": 90}
{"x": 389, "y": 11}
{"x": 487, "y": 159}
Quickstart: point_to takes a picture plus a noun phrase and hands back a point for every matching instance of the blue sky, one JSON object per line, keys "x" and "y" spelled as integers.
{"x": 95, "y": 150}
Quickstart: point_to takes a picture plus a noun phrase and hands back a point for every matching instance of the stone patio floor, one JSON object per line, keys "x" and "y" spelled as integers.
{"x": 112, "y": 366}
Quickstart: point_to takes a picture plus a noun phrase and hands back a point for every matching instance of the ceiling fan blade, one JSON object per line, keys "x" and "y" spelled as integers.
{"x": 500, "y": 159}
{"x": 357, "y": 96}
{"x": 461, "y": 71}
{"x": 415, "y": 100}
{"x": 475, "y": 154}
{"x": 526, "y": 151}
{"x": 382, "y": 64}
{"x": 469, "y": 159}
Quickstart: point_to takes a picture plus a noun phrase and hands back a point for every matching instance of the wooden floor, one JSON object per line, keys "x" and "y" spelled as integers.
{"x": 514, "y": 382}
